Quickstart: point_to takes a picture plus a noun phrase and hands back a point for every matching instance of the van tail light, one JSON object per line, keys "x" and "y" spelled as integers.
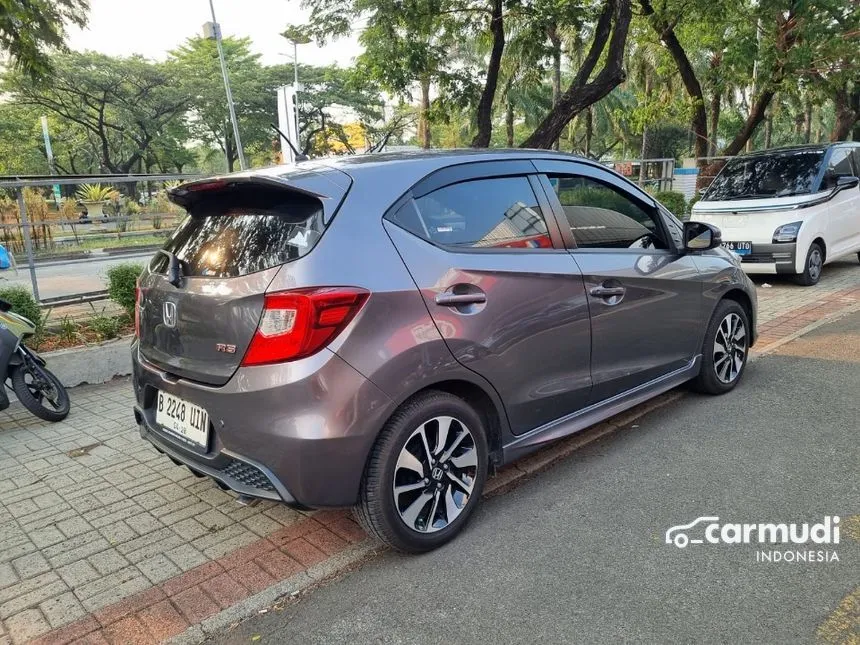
{"x": 137, "y": 296}
{"x": 295, "y": 324}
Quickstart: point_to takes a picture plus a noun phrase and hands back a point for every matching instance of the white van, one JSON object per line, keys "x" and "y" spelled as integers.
{"x": 788, "y": 210}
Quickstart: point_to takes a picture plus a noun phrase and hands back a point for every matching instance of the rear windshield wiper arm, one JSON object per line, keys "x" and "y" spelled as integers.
{"x": 174, "y": 268}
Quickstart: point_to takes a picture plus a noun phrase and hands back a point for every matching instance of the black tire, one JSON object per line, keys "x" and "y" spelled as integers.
{"x": 378, "y": 510}
{"x": 34, "y": 400}
{"x": 812, "y": 267}
{"x": 710, "y": 379}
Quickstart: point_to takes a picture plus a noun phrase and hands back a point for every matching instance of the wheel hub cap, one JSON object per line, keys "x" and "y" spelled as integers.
{"x": 435, "y": 474}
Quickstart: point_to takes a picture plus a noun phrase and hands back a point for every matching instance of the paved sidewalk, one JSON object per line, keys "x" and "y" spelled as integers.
{"x": 104, "y": 539}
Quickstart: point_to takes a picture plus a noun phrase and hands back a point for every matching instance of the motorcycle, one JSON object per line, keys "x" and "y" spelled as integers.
{"x": 35, "y": 386}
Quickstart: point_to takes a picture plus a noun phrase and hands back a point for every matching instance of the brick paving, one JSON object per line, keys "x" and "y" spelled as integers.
{"x": 103, "y": 539}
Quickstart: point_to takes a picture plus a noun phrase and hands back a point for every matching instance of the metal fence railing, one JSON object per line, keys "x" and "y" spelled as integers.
{"x": 67, "y": 241}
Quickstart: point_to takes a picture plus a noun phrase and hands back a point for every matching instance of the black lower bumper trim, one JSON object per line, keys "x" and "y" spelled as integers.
{"x": 237, "y": 473}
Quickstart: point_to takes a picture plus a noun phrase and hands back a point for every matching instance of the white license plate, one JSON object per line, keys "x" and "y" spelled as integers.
{"x": 741, "y": 248}
{"x": 184, "y": 418}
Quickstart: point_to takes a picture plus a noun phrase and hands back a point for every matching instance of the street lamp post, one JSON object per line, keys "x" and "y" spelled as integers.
{"x": 294, "y": 35}
{"x": 216, "y": 33}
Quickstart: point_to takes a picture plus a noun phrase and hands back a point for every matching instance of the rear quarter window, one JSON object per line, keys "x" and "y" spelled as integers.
{"x": 243, "y": 230}
{"x": 498, "y": 212}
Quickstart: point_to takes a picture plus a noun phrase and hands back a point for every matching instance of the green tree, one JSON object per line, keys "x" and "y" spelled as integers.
{"x": 30, "y": 30}
{"x": 122, "y": 105}
{"x": 199, "y": 76}
{"x": 330, "y": 98}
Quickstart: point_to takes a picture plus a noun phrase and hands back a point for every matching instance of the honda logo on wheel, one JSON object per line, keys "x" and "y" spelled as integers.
{"x": 169, "y": 314}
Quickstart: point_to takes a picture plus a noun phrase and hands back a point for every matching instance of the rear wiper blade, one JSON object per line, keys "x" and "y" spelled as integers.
{"x": 174, "y": 268}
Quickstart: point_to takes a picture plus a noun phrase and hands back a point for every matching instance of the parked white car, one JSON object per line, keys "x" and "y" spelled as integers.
{"x": 788, "y": 210}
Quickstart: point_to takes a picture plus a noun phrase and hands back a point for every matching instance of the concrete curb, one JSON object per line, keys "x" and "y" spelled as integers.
{"x": 291, "y": 587}
{"x": 94, "y": 364}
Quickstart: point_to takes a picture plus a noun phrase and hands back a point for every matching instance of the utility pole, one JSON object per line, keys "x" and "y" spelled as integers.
{"x": 213, "y": 30}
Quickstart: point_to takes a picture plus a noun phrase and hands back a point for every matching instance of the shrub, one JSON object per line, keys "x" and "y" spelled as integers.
{"x": 690, "y": 204}
{"x": 673, "y": 200}
{"x": 122, "y": 281}
{"x": 25, "y": 304}
{"x": 68, "y": 331}
{"x": 107, "y": 327}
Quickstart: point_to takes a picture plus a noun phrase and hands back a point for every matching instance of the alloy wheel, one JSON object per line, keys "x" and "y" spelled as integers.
{"x": 730, "y": 348}
{"x": 815, "y": 264}
{"x": 435, "y": 474}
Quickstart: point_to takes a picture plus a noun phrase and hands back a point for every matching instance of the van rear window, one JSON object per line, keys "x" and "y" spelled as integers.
{"x": 243, "y": 230}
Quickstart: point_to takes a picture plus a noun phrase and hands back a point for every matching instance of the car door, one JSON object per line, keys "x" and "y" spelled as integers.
{"x": 500, "y": 286}
{"x": 843, "y": 211}
{"x": 644, "y": 294}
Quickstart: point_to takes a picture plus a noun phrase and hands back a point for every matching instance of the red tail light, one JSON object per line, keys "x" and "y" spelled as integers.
{"x": 137, "y": 294}
{"x": 298, "y": 323}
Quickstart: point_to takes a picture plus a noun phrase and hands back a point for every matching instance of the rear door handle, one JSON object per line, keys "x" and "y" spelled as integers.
{"x": 607, "y": 292}
{"x": 458, "y": 299}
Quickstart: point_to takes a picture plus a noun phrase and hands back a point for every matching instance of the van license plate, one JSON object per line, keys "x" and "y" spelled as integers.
{"x": 740, "y": 248}
{"x": 184, "y": 418}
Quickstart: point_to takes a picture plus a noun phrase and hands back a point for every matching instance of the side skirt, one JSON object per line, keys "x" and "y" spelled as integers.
{"x": 593, "y": 414}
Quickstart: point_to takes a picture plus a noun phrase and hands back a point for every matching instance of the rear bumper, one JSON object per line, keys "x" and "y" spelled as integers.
{"x": 296, "y": 432}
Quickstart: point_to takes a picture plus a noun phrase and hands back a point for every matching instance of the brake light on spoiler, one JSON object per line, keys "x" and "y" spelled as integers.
{"x": 300, "y": 322}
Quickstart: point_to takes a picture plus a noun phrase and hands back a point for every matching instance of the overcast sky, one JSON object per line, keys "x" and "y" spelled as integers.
{"x": 154, "y": 27}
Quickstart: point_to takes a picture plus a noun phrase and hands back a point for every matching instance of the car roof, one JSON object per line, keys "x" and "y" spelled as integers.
{"x": 807, "y": 147}
{"x": 423, "y": 162}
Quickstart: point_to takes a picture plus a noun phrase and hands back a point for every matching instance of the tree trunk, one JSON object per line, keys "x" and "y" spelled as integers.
{"x": 423, "y": 115}
{"x": 666, "y": 33}
{"x": 485, "y": 105}
{"x": 855, "y": 104}
{"x": 713, "y": 128}
{"x": 807, "y": 121}
{"x": 581, "y": 93}
{"x": 845, "y": 115}
{"x": 589, "y": 130}
{"x": 756, "y": 116}
{"x": 509, "y": 122}
{"x": 555, "y": 42}
{"x": 768, "y": 131}
{"x": 787, "y": 37}
{"x": 229, "y": 152}
{"x": 798, "y": 126}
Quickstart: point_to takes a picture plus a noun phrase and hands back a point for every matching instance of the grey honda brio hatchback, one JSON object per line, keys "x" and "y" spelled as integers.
{"x": 380, "y": 331}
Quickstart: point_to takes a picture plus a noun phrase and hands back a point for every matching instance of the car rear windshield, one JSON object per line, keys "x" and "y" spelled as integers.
{"x": 758, "y": 177}
{"x": 243, "y": 230}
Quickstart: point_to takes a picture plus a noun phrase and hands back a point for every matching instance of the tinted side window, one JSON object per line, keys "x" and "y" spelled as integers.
{"x": 856, "y": 155}
{"x": 601, "y": 217}
{"x": 838, "y": 166}
{"x": 500, "y": 213}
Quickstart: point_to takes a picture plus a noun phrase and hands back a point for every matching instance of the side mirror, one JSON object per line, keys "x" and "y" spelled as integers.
{"x": 846, "y": 181}
{"x": 699, "y": 236}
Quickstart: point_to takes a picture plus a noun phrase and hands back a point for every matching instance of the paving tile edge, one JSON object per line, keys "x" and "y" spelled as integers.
{"x": 826, "y": 320}
{"x": 292, "y": 586}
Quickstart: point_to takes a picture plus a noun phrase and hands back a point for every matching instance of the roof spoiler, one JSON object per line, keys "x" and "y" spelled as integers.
{"x": 186, "y": 194}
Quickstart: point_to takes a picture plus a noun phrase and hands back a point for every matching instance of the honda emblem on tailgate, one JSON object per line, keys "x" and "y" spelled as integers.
{"x": 169, "y": 314}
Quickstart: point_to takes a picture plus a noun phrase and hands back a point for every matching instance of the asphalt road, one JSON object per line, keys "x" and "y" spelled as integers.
{"x": 577, "y": 553}
{"x": 70, "y": 277}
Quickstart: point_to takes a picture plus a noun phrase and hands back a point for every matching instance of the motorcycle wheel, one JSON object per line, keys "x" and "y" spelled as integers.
{"x": 40, "y": 392}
